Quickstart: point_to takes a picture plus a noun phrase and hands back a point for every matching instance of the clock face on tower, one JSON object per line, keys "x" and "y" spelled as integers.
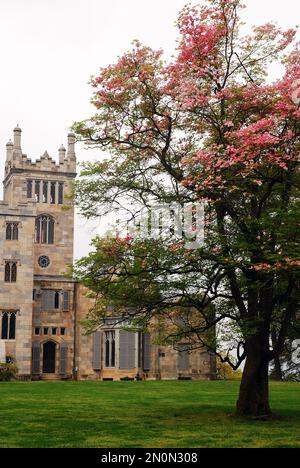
{"x": 44, "y": 261}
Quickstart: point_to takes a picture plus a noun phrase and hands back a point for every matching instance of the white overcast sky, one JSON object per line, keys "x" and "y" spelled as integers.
{"x": 49, "y": 49}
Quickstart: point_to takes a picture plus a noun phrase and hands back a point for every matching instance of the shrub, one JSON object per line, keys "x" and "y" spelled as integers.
{"x": 8, "y": 372}
{"x": 225, "y": 372}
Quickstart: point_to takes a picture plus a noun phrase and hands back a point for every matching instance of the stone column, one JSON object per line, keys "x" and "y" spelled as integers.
{"x": 41, "y": 191}
{"x": 49, "y": 191}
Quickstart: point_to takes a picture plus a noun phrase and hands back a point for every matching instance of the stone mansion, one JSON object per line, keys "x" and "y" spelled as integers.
{"x": 41, "y": 309}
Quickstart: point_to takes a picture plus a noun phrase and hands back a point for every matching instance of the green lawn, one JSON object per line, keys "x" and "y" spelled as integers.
{"x": 141, "y": 414}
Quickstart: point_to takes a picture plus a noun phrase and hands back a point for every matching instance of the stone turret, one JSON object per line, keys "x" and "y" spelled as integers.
{"x": 15, "y": 159}
{"x": 19, "y": 169}
{"x": 17, "y": 138}
{"x": 62, "y": 154}
{"x": 9, "y": 151}
{"x": 71, "y": 156}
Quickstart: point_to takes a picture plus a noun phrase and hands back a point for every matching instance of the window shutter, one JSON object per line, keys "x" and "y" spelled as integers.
{"x": 183, "y": 359}
{"x": 66, "y": 304}
{"x": 36, "y": 351}
{"x": 146, "y": 351}
{"x": 63, "y": 358}
{"x": 127, "y": 350}
{"x": 44, "y": 300}
{"x": 51, "y": 300}
{"x": 48, "y": 300}
{"x": 97, "y": 339}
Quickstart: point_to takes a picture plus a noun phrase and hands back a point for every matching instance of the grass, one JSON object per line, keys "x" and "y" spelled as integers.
{"x": 141, "y": 414}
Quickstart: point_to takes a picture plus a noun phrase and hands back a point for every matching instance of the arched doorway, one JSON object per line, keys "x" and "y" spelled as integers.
{"x": 49, "y": 350}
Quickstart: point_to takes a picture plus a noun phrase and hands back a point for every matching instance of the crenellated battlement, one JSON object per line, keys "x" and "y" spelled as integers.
{"x": 16, "y": 160}
{"x": 43, "y": 180}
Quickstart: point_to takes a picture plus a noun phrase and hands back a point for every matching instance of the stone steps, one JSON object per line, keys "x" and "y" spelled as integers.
{"x": 50, "y": 377}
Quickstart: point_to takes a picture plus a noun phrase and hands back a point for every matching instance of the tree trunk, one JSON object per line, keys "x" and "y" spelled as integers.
{"x": 254, "y": 390}
{"x": 277, "y": 372}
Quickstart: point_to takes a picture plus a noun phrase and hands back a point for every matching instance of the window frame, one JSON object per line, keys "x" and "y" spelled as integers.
{"x": 45, "y": 191}
{"x": 110, "y": 349}
{"x": 60, "y": 195}
{"x": 9, "y": 332}
{"x": 54, "y": 299}
{"x": 46, "y": 260}
{"x": 37, "y": 191}
{"x": 66, "y": 299}
{"x": 183, "y": 357}
{"x": 10, "y": 271}
{"x": 52, "y": 199}
{"x": 44, "y": 232}
{"x": 29, "y": 188}
{"x": 12, "y": 231}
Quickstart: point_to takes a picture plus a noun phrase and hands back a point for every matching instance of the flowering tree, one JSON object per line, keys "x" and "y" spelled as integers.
{"x": 209, "y": 126}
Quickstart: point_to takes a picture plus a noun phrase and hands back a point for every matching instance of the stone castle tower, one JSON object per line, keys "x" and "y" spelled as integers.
{"x": 40, "y": 308}
{"x": 36, "y": 245}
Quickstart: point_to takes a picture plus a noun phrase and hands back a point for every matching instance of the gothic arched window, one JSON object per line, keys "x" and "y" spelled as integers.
{"x": 44, "y": 230}
{"x": 56, "y": 300}
{"x": 15, "y": 231}
{"x": 12, "y": 231}
{"x": 10, "y": 272}
{"x": 8, "y": 328}
{"x": 110, "y": 349}
{"x": 12, "y": 327}
{"x": 4, "y": 328}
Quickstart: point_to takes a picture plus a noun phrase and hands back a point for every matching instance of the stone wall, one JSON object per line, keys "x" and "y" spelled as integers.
{"x": 18, "y": 296}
